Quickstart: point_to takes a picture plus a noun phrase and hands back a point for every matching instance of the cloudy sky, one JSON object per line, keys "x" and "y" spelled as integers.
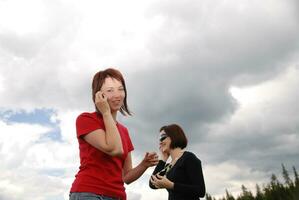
{"x": 226, "y": 71}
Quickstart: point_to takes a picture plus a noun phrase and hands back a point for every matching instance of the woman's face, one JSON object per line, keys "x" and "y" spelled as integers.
{"x": 164, "y": 142}
{"x": 115, "y": 93}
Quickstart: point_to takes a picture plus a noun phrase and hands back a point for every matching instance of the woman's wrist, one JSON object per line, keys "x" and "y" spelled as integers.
{"x": 144, "y": 165}
{"x": 171, "y": 185}
{"x": 106, "y": 114}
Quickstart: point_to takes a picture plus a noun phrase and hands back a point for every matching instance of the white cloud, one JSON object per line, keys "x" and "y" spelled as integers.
{"x": 18, "y": 174}
{"x": 22, "y": 19}
{"x": 258, "y": 135}
{"x": 268, "y": 103}
{"x": 231, "y": 176}
{"x": 140, "y": 190}
{"x": 15, "y": 139}
{"x": 35, "y": 168}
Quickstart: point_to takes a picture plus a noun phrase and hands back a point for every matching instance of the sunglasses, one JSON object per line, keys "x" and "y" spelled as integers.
{"x": 163, "y": 137}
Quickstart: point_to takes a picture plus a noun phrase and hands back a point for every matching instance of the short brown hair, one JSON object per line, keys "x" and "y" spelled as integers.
{"x": 98, "y": 81}
{"x": 176, "y": 134}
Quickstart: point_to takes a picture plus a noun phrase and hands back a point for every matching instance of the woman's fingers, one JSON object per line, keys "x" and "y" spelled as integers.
{"x": 101, "y": 102}
{"x": 100, "y": 95}
{"x": 154, "y": 181}
{"x": 157, "y": 181}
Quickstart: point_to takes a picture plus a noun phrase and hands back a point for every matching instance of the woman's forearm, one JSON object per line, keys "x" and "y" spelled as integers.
{"x": 113, "y": 139}
{"x": 134, "y": 173}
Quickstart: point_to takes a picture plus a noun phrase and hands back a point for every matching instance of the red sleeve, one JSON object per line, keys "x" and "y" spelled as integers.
{"x": 86, "y": 123}
{"x": 130, "y": 144}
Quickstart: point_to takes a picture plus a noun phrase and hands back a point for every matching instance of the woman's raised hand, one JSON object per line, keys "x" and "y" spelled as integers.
{"x": 150, "y": 159}
{"x": 102, "y": 103}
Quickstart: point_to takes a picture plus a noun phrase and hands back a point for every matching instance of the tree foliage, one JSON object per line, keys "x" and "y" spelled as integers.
{"x": 275, "y": 190}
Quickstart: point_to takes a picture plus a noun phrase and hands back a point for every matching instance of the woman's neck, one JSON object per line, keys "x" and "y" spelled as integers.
{"x": 176, "y": 154}
{"x": 114, "y": 114}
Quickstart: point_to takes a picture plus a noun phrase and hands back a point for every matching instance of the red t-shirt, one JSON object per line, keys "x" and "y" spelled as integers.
{"x": 99, "y": 173}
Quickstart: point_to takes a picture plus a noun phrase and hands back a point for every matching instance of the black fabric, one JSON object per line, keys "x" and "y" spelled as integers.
{"x": 187, "y": 177}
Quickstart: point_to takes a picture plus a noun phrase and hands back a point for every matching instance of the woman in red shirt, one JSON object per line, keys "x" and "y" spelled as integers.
{"x": 105, "y": 145}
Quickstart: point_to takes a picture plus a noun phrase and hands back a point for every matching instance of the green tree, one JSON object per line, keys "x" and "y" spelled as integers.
{"x": 296, "y": 177}
{"x": 245, "y": 195}
{"x": 229, "y": 196}
{"x": 274, "y": 190}
{"x": 209, "y": 197}
{"x": 289, "y": 186}
{"x": 259, "y": 194}
{"x": 295, "y": 191}
{"x": 274, "y": 183}
{"x": 286, "y": 176}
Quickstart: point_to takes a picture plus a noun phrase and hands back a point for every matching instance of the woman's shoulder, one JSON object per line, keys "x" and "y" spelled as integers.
{"x": 122, "y": 127}
{"x": 190, "y": 156}
{"x": 86, "y": 115}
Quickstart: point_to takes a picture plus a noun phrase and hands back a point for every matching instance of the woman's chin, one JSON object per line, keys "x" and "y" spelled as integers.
{"x": 164, "y": 150}
{"x": 115, "y": 109}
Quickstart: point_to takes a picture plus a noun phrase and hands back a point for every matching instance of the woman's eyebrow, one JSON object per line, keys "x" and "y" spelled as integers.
{"x": 111, "y": 87}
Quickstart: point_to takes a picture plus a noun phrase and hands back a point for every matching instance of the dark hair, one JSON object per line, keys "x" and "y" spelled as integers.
{"x": 98, "y": 81}
{"x": 176, "y": 134}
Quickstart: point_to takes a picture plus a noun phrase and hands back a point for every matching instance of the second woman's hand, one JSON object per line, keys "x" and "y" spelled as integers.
{"x": 161, "y": 182}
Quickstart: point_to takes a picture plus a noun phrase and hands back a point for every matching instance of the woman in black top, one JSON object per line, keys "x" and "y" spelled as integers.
{"x": 182, "y": 177}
